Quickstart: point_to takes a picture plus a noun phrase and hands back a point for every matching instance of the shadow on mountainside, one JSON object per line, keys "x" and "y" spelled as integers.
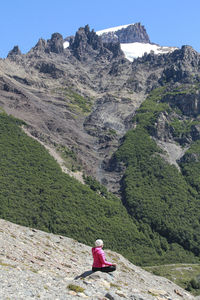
{"x": 85, "y": 274}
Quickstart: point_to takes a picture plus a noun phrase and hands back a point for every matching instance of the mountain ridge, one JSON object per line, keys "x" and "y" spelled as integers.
{"x": 131, "y": 33}
{"x": 133, "y": 39}
{"x": 132, "y": 85}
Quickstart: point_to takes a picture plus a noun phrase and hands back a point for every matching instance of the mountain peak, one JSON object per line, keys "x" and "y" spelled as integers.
{"x": 41, "y": 45}
{"x": 133, "y": 39}
{"x": 131, "y": 33}
{"x": 188, "y": 53}
{"x": 84, "y": 38}
{"x": 87, "y": 43}
{"x": 15, "y": 51}
{"x": 55, "y": 44}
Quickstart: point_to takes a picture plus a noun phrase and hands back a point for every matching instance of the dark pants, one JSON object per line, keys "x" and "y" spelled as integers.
{"x": 104, "y": 269}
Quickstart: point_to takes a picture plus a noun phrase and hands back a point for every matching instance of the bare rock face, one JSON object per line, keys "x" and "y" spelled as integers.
{"x": 50, "y": 68}
{"x": 35, "y": 264}
{"x": 40, "y": 46}
{"x": 187, "y": 55}
{"x": 183, "y": 66}
{"x": 189, "y": 107}
{"x": 131, "y": 34}
{"x": 55, "y": 44}
{"x": 15, "y": 51}
{"x": 195, "y": 132}
{"x": 115, "y": 49}
{"x": 85, "y": 41}
{"x": 109, "y": 114}
{"x": 88, "y": 43}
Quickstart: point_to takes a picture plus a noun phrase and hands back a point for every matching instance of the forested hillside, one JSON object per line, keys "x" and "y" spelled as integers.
{"x": 34, "y": 192}
{"x": 161, "y": 197}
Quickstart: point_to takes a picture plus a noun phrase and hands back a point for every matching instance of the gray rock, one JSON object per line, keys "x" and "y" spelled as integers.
{"x": 112, "y": 296}
{"x": 15, "y": 51}
{"x": 55, "y": 44}
{"x": 136, "y": 297}
{"x": 131, "y": 34}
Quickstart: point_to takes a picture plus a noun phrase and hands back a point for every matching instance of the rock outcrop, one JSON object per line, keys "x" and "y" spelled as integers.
{"x": 55, "y": 44}
{"x": 130, "y": 34}
{"x": 85, "y": 41}
{"x": 15, "y": 51}
{"x": 40, "y": 46}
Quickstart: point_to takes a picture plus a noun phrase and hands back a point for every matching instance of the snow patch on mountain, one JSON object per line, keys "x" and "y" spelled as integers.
{"x": 112, "y": 29}
{"x": 66, "y": 45}
{"x": 135, "y": 50}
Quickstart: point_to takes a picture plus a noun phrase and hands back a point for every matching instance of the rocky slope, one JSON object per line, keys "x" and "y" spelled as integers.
{"x": 45, "y": 87}
{"x": 38, "y": 265}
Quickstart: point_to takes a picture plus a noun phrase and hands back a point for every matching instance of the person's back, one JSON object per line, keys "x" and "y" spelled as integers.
{"x": 99, "y": 261}
{"x": 99, "y": 258}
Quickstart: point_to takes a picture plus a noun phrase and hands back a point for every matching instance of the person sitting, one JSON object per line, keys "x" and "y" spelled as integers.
{"x": 99, "y": 261}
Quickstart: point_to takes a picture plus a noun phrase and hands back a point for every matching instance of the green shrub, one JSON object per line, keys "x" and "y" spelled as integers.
{"x": 77, "y": 101}
{"x": 75, "y": 288}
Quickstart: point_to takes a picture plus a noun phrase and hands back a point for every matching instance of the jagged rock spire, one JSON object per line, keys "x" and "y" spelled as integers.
{"x": 41, "y": 45}
{"x": 55, "y": 44}
{"x": 15, "y": 51}
{"x": 87, "y": 42}
{"x": 84, "y": 41}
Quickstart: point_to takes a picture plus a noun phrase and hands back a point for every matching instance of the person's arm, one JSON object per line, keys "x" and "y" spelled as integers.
{"x": 103, "y": 260}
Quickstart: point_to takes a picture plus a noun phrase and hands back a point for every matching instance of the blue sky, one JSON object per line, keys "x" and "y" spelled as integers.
{"x": 168, "y": 22}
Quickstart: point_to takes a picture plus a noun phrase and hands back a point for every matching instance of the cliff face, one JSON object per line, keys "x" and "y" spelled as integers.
{"x": 130, "y": 34}
{"x": 35, "y": 264}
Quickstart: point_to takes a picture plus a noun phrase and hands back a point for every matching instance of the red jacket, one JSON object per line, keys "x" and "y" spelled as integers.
{"x": 99, "y": 258}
